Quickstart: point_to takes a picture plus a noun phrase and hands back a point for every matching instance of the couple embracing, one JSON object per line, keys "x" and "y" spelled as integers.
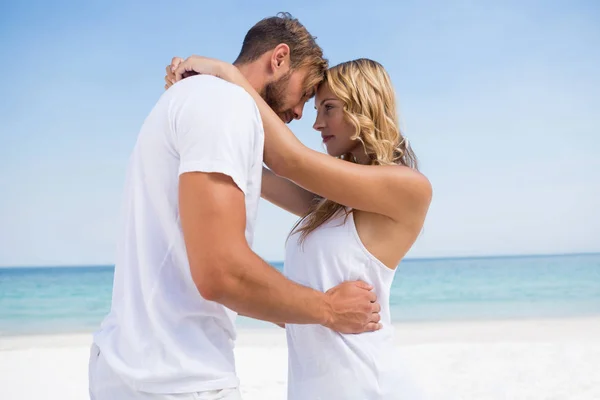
{"x": 185, "y": 267}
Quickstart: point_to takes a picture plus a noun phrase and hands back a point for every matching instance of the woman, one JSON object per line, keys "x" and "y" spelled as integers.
{"x": 361, "y": 211}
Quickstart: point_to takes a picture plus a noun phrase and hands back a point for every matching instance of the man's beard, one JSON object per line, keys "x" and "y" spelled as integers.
{"x": 274, "y": 93}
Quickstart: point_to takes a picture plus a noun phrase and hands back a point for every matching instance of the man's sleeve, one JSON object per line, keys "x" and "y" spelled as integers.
{"x": 215, "y": 133}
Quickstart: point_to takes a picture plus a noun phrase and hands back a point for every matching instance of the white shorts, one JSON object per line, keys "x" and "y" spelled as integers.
{"x": 104, "y": 384}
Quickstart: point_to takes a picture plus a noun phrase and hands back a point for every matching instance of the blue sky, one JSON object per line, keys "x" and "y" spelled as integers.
{"x": 500, "y": 101}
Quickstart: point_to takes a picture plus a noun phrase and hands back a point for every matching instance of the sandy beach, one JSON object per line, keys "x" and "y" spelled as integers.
{"x": 512, "y": 360}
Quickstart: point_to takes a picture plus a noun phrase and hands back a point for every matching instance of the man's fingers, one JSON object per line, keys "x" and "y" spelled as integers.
{"x": 364, "y": 285}
{"x": 375, "y": 307}
{"x": 373, "y": 326}
{"x": 375, "y": 317}
{"x": 372, "y": 297}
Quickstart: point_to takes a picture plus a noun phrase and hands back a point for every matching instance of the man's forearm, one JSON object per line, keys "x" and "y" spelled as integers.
{"x": 258, "y": 290}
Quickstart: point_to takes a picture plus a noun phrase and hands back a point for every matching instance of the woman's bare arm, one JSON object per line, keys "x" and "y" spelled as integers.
{"x": 285, "y": 193}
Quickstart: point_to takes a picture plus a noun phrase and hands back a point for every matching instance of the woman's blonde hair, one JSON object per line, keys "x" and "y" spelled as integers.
{"x": 366, "y": 90}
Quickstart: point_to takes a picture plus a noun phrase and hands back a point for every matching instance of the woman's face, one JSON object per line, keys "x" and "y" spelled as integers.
{"x": 336, "y": 130}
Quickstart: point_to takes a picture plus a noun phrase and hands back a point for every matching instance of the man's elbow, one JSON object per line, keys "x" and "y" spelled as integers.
{"x": 212, "y": 281}
{"x": 210, "y": 290}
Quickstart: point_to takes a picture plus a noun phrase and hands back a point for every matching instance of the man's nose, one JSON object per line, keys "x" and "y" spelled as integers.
{"x": 298, "y": 111}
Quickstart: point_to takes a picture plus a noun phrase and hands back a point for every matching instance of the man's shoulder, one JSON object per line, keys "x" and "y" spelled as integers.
{"x": 214, "y": 103}
{"x": 213, "y": 90}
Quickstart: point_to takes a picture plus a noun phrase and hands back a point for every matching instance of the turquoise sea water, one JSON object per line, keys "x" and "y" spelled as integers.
{"x": 75, "y": 299}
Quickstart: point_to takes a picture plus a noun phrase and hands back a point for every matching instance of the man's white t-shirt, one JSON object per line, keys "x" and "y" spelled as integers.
{"x": 161, "y": 336}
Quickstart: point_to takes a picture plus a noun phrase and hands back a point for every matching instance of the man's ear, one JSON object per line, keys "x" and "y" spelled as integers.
{"x": 280, "y": 60}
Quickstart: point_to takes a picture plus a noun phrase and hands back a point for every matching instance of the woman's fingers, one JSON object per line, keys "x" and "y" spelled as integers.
{"x": 170, "y": 71}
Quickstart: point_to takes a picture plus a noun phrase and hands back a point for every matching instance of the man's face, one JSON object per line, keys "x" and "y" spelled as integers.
{"x": 287, "y": 96}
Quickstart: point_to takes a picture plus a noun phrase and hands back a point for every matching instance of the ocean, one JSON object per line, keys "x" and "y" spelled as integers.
{"x": 75, "y": 299}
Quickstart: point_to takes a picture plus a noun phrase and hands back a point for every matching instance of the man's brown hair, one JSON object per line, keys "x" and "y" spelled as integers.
{"x": 283, "y": 28}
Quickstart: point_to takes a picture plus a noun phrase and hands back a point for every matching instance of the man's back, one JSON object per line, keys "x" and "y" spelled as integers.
{"x": 161, "y": 336}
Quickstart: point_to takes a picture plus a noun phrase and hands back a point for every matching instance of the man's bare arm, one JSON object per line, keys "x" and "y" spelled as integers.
{"x": 226, "y": 270}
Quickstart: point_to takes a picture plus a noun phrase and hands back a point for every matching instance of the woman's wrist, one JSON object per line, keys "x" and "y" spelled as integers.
{"x": 235, "y": 76}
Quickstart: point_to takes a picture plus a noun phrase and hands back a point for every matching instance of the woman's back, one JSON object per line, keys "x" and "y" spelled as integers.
{"x": 324, "y": 364}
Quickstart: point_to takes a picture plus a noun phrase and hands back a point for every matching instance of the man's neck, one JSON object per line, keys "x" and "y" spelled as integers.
{"x": 254, "y": 74}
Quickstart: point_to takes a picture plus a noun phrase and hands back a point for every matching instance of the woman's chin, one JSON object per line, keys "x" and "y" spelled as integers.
{"x": 332, "y": 152}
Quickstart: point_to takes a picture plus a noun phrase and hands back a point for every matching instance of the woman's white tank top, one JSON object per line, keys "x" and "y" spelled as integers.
{"x": 323, "y": 364}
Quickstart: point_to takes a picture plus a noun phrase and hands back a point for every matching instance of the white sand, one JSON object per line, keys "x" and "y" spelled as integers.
{"x": 508, "y": 360}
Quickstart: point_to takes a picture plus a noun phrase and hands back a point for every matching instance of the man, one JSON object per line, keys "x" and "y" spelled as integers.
{"x": 184, "y": 265}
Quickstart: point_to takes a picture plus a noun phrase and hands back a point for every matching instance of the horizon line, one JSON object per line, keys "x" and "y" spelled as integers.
{"x": 417, "y": 259}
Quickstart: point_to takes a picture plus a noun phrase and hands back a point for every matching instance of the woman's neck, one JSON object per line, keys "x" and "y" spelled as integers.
{"x": 360, "y": 155}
